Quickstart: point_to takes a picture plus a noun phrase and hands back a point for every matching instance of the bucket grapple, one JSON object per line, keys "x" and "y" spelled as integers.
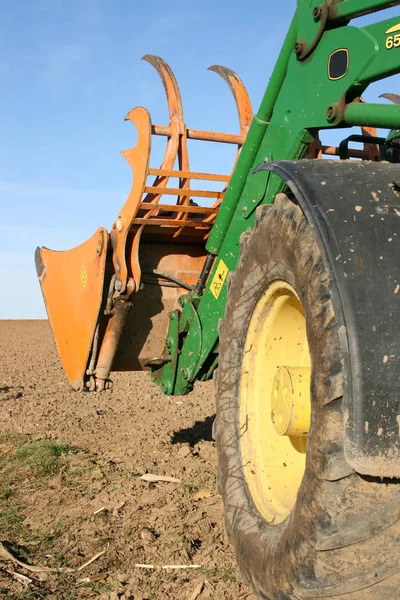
{"x": 287, "y": 279}
{"x": 154, "y": 251}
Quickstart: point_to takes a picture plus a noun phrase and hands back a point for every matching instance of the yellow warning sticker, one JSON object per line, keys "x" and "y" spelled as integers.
{"x": 84, "y": 277}
{"x": 218, "y": 279}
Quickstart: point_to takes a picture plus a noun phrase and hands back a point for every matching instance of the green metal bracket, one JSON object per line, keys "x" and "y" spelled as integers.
{"x": 364, "y": 139}
{"x": 393, "y": 135}
{"x": 187, "y": 362}
{"x": 165, "y": 375}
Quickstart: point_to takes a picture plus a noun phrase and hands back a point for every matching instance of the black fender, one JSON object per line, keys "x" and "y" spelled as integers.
{"x": 354, "y": 209}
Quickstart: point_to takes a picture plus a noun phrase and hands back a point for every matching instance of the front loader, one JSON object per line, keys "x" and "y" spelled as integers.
{"x": 284, "y": 282}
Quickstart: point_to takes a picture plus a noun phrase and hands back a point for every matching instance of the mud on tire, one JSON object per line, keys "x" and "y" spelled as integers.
{"x": 341, "y": 539}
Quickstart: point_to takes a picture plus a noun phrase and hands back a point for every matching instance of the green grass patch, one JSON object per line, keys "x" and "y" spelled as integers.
{"x": 27, "y": 462}
{"x": 193, "y": 485}
{"x": 226, "y": 573}
{"x": 10, "y": 519}
{"x": 44, "y": 458}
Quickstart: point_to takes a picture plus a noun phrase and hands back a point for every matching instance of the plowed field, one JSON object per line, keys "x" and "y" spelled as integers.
{"x": 71, "y": 487}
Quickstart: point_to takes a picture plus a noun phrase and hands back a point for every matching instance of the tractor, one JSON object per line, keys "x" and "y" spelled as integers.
{"x": 279, "y": 280}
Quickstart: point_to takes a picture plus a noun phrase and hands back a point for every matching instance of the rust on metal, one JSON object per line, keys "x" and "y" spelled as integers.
{"x": 176, "y": 208}
{"x": 147, "y": 324}
{"x": 168, "y": 222}
{"x": 205, "y": 136}
{"x": 369, "y": 152}
{"x": 110, "y": 341}
{"x": 240, "y": 95}
{"x": 189, "y": 175}
{"x": 183, "y": 192}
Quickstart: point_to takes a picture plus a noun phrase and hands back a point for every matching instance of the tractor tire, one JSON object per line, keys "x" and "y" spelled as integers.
{"x": 302, "y": 525}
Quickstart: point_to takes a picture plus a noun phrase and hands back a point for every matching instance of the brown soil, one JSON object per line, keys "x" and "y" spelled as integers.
{"x": 106, "y": 442}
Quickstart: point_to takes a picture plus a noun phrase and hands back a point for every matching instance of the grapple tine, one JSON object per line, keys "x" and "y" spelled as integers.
{"x": 240, "y": 95}
{"x": 170, "y": 85}
{"x": 176, "y": 145}
{"x": 395, "y": 98}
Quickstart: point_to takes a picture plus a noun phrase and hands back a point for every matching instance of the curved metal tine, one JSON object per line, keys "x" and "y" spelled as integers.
{"x": 395, "y": 98}
{"x": 242, "y": 100}
{"x": 175, "y": 110}
{"x": 240, "y": 95}
{"x": 170, "y": 85}
{"x": 243, "y": 103}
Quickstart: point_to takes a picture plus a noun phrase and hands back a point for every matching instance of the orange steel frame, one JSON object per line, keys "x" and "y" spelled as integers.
{"x": 143, "y": 208}
{"x": 143, "y": 204}
{"x": 143, "y": 218}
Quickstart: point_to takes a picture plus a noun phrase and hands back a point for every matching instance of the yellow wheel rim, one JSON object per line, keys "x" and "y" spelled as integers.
{"x": 275, "y": 402}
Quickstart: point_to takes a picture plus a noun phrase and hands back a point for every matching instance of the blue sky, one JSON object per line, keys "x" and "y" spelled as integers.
{"x": 70, "y": 72}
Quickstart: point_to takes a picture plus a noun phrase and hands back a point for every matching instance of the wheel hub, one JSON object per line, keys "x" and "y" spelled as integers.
{"x": 275, "y": 406}
{"x": 290, "y": 401}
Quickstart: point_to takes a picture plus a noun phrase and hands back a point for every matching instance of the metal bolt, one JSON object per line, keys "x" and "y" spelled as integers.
{"x": 185, "y": 374}
{"x": 299, "y": 47}
{"x": 332, "y": 113}
{"x": 316, "y": 13}
{"x": 119, "y": 223}
{"x": 182, "y": 300}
